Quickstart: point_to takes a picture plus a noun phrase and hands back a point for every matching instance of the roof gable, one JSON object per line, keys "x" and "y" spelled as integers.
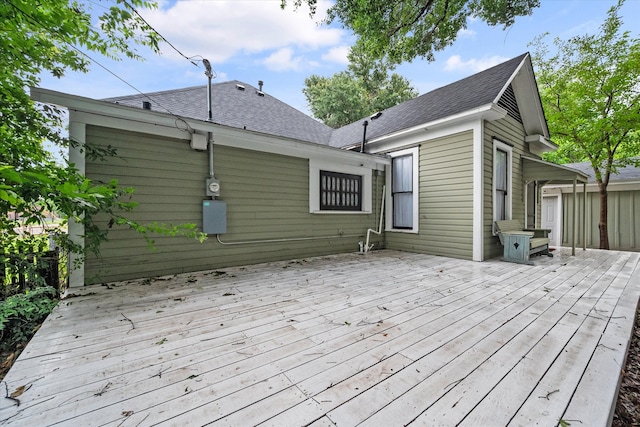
{"x": 463, "y": 95}
{"x": 508, "y": 87}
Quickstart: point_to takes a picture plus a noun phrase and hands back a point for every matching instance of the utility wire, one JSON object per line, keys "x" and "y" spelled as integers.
{"x": 158, "y": 33}
{"x": 36, "y": 22}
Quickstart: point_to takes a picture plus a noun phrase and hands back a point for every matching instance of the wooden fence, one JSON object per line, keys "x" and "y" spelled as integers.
{"x": 20, "y": 272}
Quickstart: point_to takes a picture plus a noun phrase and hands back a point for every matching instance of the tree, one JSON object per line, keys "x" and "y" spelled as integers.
{"x": 51, "y": 36}
{"x": 402, "y": 30}
{"x": 590, "y": 89}
{"x": 366, "y": 87}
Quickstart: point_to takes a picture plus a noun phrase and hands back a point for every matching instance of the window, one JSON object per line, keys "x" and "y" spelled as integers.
{"x": 402, "y": 190}
{"x": 532, "y": 204}
{"x": 340, "y": 191}
{"x": 501, "y": 181}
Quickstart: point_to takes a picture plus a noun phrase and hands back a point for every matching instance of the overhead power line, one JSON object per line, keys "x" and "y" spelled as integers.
{"x": 158, "y": 33}
{"x": 35, "y": 21}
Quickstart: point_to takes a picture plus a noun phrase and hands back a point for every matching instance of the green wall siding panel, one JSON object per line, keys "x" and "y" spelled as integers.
{"x": 511, "y": 132}
{"x": 267, "y": 197}
{"x": 445, "y": 199}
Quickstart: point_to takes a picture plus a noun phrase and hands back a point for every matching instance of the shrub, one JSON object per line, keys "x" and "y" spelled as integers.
{"x": 22, "y": 314}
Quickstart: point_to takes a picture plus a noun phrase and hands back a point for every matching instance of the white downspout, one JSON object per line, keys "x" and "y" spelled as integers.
{"x": 367, "y": 248}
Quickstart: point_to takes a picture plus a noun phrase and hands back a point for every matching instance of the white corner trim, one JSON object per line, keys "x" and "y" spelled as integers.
{"x": 77, "y": 133}
{"x": 478, "y": 191}
{"x": 315, "y": 166}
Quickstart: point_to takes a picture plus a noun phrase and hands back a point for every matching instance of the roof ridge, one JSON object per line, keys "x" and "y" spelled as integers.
{"x": 178, "y": 90}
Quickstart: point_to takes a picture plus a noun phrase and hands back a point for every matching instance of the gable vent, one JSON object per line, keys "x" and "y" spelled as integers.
{"x": 509, "y": 103}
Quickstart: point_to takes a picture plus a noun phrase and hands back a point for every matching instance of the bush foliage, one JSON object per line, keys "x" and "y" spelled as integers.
{"x": 22, "y": 314}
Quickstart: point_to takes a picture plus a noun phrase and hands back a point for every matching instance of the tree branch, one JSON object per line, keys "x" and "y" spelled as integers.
{"x": 423, "y": 11}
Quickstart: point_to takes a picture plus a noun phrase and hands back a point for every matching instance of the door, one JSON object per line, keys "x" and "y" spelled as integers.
{"x": 532, "y": 196}
{"x": 550, "y": 218}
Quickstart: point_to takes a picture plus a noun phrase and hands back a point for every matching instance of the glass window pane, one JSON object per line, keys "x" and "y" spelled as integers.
{"x": 500, "y": 206}
{"x": 403, "y": 210}
{"x": 402, "y": 173}
{"x": 501, "y": 170}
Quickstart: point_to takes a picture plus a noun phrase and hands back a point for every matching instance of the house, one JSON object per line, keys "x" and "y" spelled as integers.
{"x": 623, "y": 205}
{"x": 440, "y": 169}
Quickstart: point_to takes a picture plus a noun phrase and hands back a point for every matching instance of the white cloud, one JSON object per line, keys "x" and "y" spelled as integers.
{"x": 455, "y": 63}
{"x": 337, "y": 54}
{"x": 283, "y": 60}
{"x": 466, "y": 32}
{"x": 219, "y": 30}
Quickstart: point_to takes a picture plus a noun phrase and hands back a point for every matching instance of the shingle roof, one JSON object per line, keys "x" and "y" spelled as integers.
{"x": 243, "y": 109}
{"x": 626, "y": 173}
{"x": 463, "y": 95}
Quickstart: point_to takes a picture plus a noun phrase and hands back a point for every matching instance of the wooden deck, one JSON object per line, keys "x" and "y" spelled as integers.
{"x": 383, "y": 339}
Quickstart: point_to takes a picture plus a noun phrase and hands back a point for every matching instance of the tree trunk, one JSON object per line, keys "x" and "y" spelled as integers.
{"x": 602, "y": 225}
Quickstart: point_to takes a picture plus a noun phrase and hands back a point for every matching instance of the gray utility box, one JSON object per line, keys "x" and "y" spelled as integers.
{"x": 214, "y": 217}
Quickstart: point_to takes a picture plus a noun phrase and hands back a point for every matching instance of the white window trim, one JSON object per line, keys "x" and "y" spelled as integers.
{"x": 498, "y": 145}
{"x": 315, "y": 166}
{"x": 415, "y": 152}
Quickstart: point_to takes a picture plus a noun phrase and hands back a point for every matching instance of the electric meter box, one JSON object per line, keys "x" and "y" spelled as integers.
{"x": 214, "y": 217}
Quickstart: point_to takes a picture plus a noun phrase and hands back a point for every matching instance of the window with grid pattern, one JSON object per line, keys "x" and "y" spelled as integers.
{"x": 340, "y": 191}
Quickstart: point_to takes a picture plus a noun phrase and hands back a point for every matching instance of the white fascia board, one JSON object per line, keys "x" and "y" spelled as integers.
{"x": 103, "y": 108}
{"x": 436, "y": 129}
{"x": 249, "y": 140}
{"x": 539, "y": 144}
{"x": 524, "y": 85}
{"x": 101, "y": 113}
{"x": 511, "y": 79}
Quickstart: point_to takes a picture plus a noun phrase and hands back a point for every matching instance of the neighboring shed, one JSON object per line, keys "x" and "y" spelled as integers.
{"x": 623, "y": 220}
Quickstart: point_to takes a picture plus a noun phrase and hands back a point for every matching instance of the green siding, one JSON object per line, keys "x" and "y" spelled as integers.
{"x": 267, "y": 197}
{"x": 511, "y": 132}
{"x": 623, "y": 221}
{"x": 445, "y": 200}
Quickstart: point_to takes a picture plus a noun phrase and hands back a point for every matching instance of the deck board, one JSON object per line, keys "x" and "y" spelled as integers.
{"x": 389, "y": 338}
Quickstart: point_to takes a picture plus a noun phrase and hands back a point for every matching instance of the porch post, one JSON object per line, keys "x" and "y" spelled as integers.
{"x": 575, "y": 218}
{"x": 584, "y": 216}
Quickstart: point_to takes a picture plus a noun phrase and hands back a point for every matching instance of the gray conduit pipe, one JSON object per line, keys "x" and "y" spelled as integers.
{"x": 290, "y": 239}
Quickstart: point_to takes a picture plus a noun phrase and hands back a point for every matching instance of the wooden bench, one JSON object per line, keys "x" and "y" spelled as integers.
{"x": 520, "y": 243}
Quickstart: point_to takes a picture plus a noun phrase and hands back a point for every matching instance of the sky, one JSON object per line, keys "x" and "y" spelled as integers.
{"x": 251, "y": 40}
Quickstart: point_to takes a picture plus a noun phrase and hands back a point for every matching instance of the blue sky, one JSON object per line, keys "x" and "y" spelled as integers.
{"x": 251, "y": 40}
